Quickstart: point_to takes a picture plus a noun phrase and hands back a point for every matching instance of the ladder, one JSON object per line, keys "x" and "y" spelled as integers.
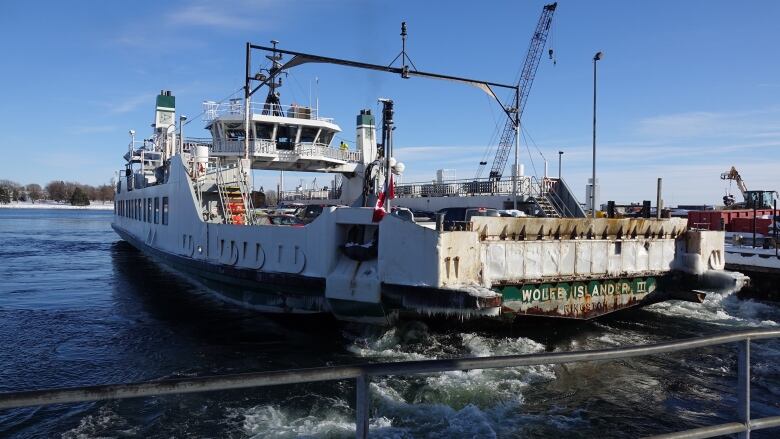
{"x": 233, "y": 196}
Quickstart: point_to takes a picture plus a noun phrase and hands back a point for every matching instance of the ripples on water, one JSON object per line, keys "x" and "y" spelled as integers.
{"x": 78, "y": 306}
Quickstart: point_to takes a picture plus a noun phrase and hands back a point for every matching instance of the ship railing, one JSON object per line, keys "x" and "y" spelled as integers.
{"x": 235, "y": 107}
{"x": 246, "y": 193}
{"x": 544, "y": 188}
{"x": 290, "y": 152}
{"x": 742, "y": 424}
{"x": 220, "y": 184}
{"x": 557, "y": 194}
{"x": 310, "y": 195}
{"x": 188, "y": 144}
{"x": 465, "y": 187}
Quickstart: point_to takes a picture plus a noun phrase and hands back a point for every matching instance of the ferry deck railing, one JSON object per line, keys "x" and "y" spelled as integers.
{"x": 742, "y": 423}
{"x": 235, "y": 107}
{"x": 464, "y": 187}
{"x": 296, "y": 151}
{"x": 310, "y": 195}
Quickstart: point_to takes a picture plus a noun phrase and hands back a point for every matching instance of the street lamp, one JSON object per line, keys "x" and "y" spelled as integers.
{"x": 597, "y": 57}
{"x": 560, "y": 156}
{"x": 132, "y": 141}
{"x": 182, "y": 119}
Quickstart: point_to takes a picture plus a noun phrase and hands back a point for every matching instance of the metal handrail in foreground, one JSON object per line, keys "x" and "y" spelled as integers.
{"x": 361, "y": 373}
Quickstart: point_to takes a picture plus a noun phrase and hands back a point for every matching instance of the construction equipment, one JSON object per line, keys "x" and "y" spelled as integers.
{"x": 758, "y": 199}
{"x": 527, "y": 75}
{"x": 733, "y": 175}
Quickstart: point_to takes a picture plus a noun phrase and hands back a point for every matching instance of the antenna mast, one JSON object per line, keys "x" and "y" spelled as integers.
{"x": 272, "y": 102}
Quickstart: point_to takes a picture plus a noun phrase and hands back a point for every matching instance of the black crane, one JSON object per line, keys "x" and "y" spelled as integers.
{"x": 527, "y": 75}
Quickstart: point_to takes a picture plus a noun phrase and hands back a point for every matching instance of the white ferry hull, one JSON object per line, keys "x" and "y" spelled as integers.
{"x": 502, "y": 268}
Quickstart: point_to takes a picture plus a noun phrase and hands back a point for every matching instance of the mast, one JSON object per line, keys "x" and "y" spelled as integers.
{"x": 247, "y": 97}
{"x": 272, "y": 102}
{"x": 387, "y": 146}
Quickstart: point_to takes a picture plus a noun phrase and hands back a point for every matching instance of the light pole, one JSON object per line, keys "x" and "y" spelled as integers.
{"x": 598, "y": 56}
{"x": 132, "y": 141}
{"x": 182, "y": 119}
{"x": 515, "y": 171}
{"x": 560, "y": 156}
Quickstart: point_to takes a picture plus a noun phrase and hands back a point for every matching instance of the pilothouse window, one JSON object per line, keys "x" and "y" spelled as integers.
{"x": 264, "y": 131}
{"x": 285, "y": 137}
{"x": 234, "y": 131}
{"x": 326, "y": 137}
{"x": 308, "y": 134}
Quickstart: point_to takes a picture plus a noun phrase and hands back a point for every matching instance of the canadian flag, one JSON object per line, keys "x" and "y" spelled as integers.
{"x": 379, "y": 208}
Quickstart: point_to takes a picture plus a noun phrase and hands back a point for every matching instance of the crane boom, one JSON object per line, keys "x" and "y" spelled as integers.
{"x": 527, "y": 75}
{"x": 732, "y": 174}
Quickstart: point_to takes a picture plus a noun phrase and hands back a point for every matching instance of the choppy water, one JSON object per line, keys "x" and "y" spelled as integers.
{"x": 78, "y": 306}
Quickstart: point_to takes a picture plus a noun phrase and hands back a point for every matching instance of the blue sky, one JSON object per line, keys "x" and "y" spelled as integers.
{"x": 686, "y": 89}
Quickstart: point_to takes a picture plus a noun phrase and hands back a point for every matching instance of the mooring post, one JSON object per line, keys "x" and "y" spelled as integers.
{"x": 743, "y": 386}
{"x": 361, "y": 407}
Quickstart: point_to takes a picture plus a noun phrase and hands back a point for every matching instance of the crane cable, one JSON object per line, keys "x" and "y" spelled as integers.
{"x": 528, "y": 148}
{"x": 489, "y": 148}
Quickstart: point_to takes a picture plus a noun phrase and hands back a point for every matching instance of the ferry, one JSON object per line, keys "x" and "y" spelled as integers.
{"x": 187, "y": 203}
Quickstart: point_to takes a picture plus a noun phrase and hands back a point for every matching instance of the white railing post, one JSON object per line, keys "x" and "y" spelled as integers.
{"x": 361, "y": 407}
{"x": 743, "y": 387}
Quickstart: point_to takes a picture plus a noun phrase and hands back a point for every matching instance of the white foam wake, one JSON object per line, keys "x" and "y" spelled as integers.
{"x": 723, "y": 308}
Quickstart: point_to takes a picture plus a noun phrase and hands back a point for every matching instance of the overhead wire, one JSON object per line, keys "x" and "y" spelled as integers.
{"x": 218, "y": 102}
{"x": 534, "y": 143}
{"x": 489, "y": 148}
{"x": 528, "y": 148}
{"x": 292, "y": 92}
{"x": 492, "y": 144}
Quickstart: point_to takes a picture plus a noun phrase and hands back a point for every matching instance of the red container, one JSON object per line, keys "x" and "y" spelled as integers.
{"x": 721, "y": 219}
{"x": 745, "y": 225}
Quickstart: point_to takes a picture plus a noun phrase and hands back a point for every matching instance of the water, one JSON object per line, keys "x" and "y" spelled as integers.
{"x": 78, "y": 306}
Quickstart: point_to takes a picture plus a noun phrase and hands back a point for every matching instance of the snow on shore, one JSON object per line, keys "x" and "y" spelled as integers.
{"x": 45, "y": 205}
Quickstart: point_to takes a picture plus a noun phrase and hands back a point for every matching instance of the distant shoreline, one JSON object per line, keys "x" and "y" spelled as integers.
{"x": 93, "y": 206}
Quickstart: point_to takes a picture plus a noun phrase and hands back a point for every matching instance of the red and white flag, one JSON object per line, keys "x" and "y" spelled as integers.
{"x": 379, "y": 208}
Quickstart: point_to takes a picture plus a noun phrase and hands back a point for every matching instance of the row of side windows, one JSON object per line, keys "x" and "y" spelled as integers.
{"x": 146, "y": 210}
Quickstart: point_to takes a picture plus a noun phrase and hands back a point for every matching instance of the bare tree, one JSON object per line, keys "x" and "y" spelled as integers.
{"x": 270, "y": 198}
{"x": 34, "y": 192}
{"x": 91, "y": 191}
{"x": 105, "y": 192}
{"x": 57, "y": 191}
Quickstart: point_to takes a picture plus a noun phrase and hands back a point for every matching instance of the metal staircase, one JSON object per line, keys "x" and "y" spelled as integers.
{"x": 234, "y": 196}
{"x": 547, "y": 207}
{"x": 554, "y": 198}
